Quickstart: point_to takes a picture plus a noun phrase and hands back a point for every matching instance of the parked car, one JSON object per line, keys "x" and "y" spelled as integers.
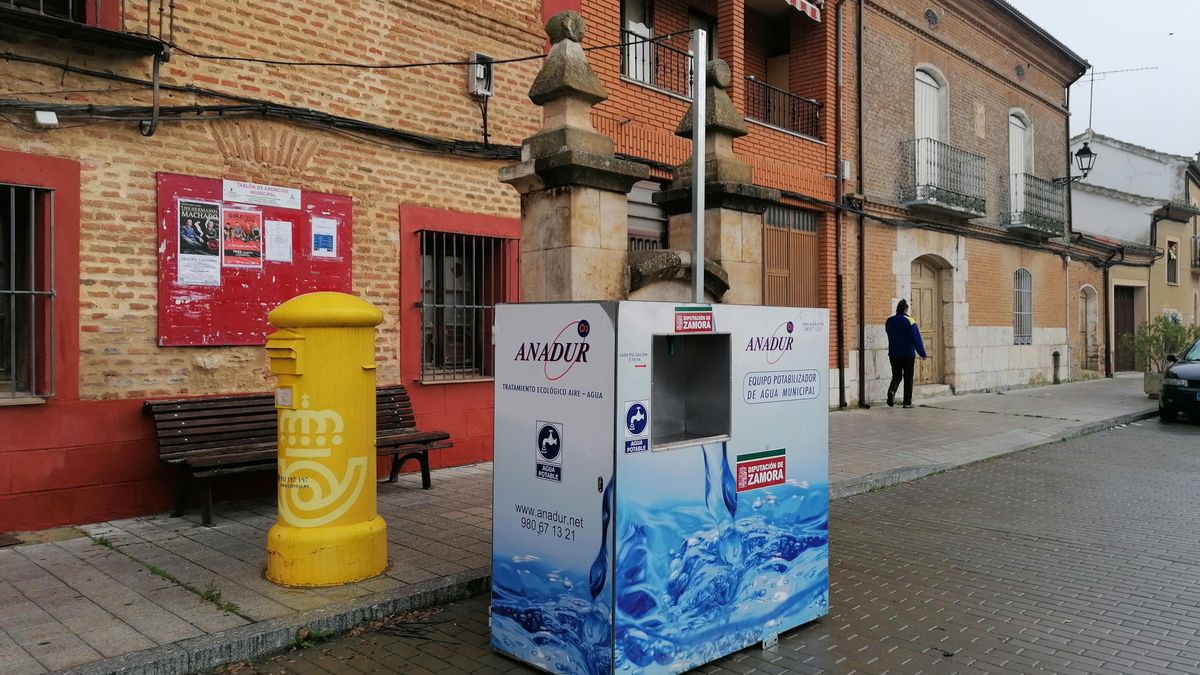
{"x": 1181, "y": 386}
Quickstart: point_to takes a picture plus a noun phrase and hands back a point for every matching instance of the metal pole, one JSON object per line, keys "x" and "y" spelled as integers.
{"x": 700, "y": 122}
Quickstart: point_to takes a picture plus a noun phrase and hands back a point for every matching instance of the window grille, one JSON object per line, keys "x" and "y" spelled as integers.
{"x": 1022, "y": 307}
{"x": 26, "y": 292}
{"x": 462, "y": 278}
{"x": 647, "y": 220}
{"x": 791, "y": 219}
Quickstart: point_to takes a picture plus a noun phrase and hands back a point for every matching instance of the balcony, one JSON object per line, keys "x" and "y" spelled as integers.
{"x": 655, "y": 64}
{"x": 1035, "y": 206}
{"x": 942, "y": 179}
{"x": 138, "y": 26}
{"x": 781, "y": 109}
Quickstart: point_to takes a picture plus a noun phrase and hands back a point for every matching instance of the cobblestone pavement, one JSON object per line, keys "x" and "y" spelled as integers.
{"x": 1077, "y": 557}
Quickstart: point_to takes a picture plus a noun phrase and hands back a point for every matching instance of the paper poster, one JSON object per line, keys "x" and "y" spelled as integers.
{"x": 279, "y": 241}
{"x": 243, "y": 238}
{"x": 199, "y": 231}
{"x": 324, "y": 237}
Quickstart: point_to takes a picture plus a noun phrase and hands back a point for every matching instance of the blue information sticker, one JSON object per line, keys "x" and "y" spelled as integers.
{"x": 637, "y": 445}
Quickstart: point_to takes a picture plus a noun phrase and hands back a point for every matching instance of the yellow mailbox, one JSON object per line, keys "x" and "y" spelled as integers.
{"x": 328, "y": 531}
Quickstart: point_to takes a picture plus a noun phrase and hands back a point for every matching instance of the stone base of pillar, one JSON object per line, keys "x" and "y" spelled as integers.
{"x": 574, "y": 241}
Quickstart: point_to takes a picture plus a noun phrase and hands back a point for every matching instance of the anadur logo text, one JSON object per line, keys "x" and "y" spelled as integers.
{"x": 558, "y": 356}
{"x": 776, "y": 345}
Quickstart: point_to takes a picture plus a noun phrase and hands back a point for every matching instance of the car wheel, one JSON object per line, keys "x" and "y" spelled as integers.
{"x": 1167, "y": 414}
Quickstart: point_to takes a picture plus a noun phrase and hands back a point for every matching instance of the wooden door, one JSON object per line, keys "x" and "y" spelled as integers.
{"x": 1124, "y": 322}
{"x": 791, "y": 268}
{"x": 926, "y": 309}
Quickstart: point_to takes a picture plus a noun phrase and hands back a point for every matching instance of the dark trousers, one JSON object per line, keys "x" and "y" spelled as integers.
{"x": 902, "y": 369}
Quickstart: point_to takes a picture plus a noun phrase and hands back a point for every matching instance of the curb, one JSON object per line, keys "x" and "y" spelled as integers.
{"x": 264, "y": 638}
{"x": 257, "y": 640}
{"x": 882, "y": 479}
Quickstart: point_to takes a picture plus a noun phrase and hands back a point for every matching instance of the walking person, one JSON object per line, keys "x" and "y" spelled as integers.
{"x": 904, "y": 346}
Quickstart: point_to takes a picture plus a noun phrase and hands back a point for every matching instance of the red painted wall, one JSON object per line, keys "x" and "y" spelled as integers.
{"x": 67, "y": 460}
{"x": 462, "y": 408}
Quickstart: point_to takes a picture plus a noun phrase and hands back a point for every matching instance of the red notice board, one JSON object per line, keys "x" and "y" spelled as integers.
{"x": 229, "y": 252}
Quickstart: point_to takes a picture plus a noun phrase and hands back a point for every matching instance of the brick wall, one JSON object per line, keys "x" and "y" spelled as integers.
{"x": 53, "y": 476}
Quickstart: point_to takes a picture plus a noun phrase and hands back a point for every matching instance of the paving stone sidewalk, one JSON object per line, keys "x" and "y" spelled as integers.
{"x": 161, "y": 594}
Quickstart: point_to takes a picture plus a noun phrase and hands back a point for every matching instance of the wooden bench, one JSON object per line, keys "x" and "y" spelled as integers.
{"x": 222, "y": 435}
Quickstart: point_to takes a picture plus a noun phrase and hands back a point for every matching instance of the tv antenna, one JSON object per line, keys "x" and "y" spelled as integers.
{"x": 1102, "y": 75}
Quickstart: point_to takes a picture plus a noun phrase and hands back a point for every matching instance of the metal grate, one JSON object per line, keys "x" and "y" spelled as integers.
{"x": 790, "y": 218}
{"x": 1022, "y": 307}
{"x": 647, "y": 220}
{"x": 462, "y": 278}
{"x": 782, "y": 109}
{"x": 940, "y": 173}
{"x": 71, "y": 10}
{"x": 1037, "y": 204}
{"x": 655, "y": 64}
{"x": 26, "y": 292}
{"x": 152, "y": 18}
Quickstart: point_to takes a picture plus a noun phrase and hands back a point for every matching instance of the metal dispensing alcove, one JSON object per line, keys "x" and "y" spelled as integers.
{"x": 661, "y": 482}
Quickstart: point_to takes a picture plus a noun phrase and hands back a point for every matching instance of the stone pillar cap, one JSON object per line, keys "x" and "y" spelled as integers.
{"x": 566, "y": 71}
{"x": 720, "y": 114}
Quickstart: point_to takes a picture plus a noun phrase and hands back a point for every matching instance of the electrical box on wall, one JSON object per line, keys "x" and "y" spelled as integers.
{"x": 480, "y": 75}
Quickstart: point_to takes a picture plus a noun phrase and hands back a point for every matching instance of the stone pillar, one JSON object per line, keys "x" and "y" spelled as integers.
{"x": 734, "y": 205}
{"x": 574, "y": 227}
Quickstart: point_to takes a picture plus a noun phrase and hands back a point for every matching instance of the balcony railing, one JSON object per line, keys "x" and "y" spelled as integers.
{"x": 782, "y": 109}
{"x": 656, "y": 64}
{"x": 1035, "y": 205}
{"x": 940, "y": 177}
{"x": 138, "y": 25}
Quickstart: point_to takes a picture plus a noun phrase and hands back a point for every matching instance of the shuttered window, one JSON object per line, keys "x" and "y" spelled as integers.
{"x": 1022, "y": 307}
{"x": 647, "y": 220}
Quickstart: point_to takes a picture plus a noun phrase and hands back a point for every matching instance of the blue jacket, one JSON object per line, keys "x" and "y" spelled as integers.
{"x": 904, "y": 338}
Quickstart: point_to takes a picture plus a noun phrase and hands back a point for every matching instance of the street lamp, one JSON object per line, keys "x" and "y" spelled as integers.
{"x": 1085, "y": 159}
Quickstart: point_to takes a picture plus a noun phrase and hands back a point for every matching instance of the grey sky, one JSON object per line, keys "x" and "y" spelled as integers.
{"x": 1159, "y": 108}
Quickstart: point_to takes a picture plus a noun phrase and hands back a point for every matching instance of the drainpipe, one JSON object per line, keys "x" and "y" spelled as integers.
{"x": 1070, "y": 217}
{"x": 840, "y": 187}
{"x": 1067, "y": 307}
{"x": 862, "y": 248}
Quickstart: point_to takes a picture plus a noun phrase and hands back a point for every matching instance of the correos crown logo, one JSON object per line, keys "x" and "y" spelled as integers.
{"x": 558, "y": 356}
{"x": 775, "y": 346}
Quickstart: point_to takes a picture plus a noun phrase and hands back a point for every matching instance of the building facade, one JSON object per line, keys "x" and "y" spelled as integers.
{"x": 1145, "y": 199}
{"x": 170, "y": 173}
{"x": 378, "y": 182}
{"x": 963, "y": 109}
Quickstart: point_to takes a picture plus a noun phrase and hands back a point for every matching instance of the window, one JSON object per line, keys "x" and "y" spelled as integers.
{"x": 1022, "y": 307}
{"x": 462, "y": 278}
{"x": 929, "y": 125}
{"x": 647, "y": 220}
{"x": 26, "y": 294}
{"x": 1172, "y": 262}
{"x": 1019, "y": 160}
{"x": 636, "y": 26}
{"x": 72, "y": 10}
{"x": 657, "y": 64}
